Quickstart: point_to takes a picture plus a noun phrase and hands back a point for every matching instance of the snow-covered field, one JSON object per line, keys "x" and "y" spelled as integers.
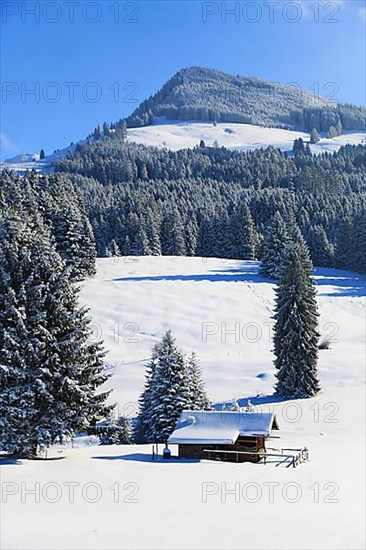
{"x": 221, "y": 309}
{"x": 180, "y": 135}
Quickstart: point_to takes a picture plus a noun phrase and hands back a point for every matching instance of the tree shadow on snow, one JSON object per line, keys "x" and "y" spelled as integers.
{"x": 243, "y": 273}
{"x": 9, "y": 460}
{"x": 344, "y": 283}
{"x": 347, "y": 283}
{"x": 143, "y": 457}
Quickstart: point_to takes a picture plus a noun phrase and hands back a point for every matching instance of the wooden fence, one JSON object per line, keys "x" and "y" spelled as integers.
{"x": 302, "y": 455}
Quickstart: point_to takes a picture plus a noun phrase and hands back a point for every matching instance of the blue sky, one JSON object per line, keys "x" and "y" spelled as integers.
{"x": 87, "y": 62}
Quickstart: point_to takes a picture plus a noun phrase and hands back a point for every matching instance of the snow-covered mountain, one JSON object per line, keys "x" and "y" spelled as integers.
{"x": 230, "y": 111}
{"x": 211, "y": 95}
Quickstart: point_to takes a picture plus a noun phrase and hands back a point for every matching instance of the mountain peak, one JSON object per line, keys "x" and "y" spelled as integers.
{"x": 206, "y": 94}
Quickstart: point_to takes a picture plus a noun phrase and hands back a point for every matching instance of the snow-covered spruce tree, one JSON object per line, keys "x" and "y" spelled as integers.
{"x": 168, "y": 391}
{"x": 314, "y": 136}
{"x": 275, "y": 242}
{"x": 143, "y": 430}
{"x": 172, "y": 235}
{"x": 116, "y": 431}
{"x": 359, "y": 259}
{"x": 197, "y": 398}
{"x": 295, "y": 334}
{"x": 244, "y": 237}
{"x": 173, "y": 383}
{"x": 321, "y": 250}
{"x": 63, "y": 209}
{"x": 49, "y": 371}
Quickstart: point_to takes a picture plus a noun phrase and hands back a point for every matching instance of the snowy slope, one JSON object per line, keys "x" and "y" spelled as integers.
{"x": 176, "y": 135}
{"x": 319, "y": 505}
{"x": 145, "y": 296}
{"x": 180, "y": 135}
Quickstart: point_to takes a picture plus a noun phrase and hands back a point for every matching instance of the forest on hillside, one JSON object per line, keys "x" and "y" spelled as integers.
{"x": 215, "y": 202}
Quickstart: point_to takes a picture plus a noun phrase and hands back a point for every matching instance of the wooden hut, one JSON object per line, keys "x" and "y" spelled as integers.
{"x": 223, "y": 435}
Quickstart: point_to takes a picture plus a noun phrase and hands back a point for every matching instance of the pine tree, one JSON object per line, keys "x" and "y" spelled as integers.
{"x": 275, "y": 242}
{"x": 49, "y": 371}
{"x": 244, "y": 241}
{"x": 172, "y": 235}
{"x": 298, "y": 147}
{"x": 106, "y": 129}
{"x": 296, "y": 336}
{"x": 173, "y": 383}
{"x": 114, "y": 249}
{"x": 41, "y": 155}
{"x": 168, "y": 390}
{"x": 191, "y": 232}
{"x": 314, "y": 136}
{"x": 116, "y": 431}
{"x": 197, "y": 397}
{"x": 143, "y": 428}
{"x": 359, "y": 259}
{"x": 321, "y": 249}
{"x": 97, "y": 133}
{"x": 153, "y": 231}
{"x": 346, "y": 245}
{"x": 63, "y": 209}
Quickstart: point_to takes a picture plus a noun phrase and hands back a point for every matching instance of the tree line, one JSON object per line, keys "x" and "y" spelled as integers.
{"x": 216, "y": 202}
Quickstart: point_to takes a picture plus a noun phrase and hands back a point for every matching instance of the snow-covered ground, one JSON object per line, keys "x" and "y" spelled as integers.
{"x": 180, "y": 135}
{"x": 185, "y": 504}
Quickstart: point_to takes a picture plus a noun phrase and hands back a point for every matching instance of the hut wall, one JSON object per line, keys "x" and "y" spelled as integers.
{"x": 195, "y": 451}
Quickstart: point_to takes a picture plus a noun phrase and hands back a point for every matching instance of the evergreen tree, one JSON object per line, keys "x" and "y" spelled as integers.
{"x": 106, "y": 129}
{"x": 168, "y": 389}
{"x": 275, "y": 242}
{"x": 114, "y": 249}
{"x": 346, "y": 244}
{"x": 191, "y": 232}
{"x": 359, "y": 258}
{"x": 97, "y": 133}
{"x": 143, "y": 428}
{"x": 173, "y": 383}
{"x": 299, "y": 147}
{"x": 49, "y": 371}
{"x": 153, "y": 231}
{"x": 63, "y": 209}
{"x": 197, "y": 397}
{"x": 172, "y": 235}
{"x": 116, "y": 431}
{"x": 314, "y": 136}
{"x": 41, "y": 155}
{"x": 244, "y": 241}
{"x": 295, "y": 334}
{"x": 321, "y": 249}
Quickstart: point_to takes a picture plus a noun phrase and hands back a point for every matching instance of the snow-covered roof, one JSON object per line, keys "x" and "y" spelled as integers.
{"x": 222, "y": 427}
